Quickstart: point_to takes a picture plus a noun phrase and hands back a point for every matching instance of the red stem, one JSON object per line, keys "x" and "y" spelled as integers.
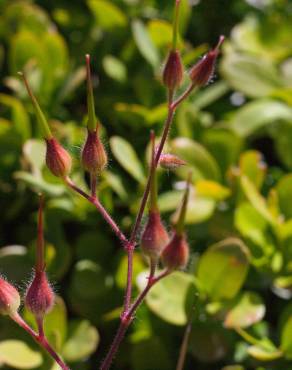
{"x": 40, "y": 339}
{"x": 94, "y": 201}
{"x": 128, "y": 317}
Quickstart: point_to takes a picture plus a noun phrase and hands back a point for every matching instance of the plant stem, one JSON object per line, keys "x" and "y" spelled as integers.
{"x": 40, "y": 339}
{"x": 94, "y": 201}
{"x": 127, "y": 317}
{"x": 93, "y": 181}
{"x": 184, "y": 345}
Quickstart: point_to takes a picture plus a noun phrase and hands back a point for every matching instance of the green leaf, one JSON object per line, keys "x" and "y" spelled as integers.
{"x": 265, "y": 350}
{"x": 160, "y": 32}
{"x": 107, "y": 15}
{"x": 83, "y": 341}
{"x": 168, "y": 298}
{"x": 252, "y": 165}
{"x": 257, "y": 114}
{"x": 286, "y": 338}
{"x": 251, "y": 224}
{"x": 233, "y": 367}
{"x": 18, "y": 115}
{"x": 39, "y": 184}
{"x": 19, "y": 355}
{"x": 254, "y": 76}
{"x": 127, "y": 157}
{"x": 34, "y": 151}
{"x": 245, "y": 311}
{"x": 284, "y": 191}
{"x": 223, "y": 268}
{"x": 256, "y": 199}
{"x": 144, "y": 43}
{"x": 199, "y": 160}
{"x": 114, "y": 68}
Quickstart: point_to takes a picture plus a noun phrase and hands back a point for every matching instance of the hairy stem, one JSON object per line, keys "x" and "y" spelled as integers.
{"x": 96, "y": 203}
{"x": 127, "y": 317}
{"x": 40, "y": 339}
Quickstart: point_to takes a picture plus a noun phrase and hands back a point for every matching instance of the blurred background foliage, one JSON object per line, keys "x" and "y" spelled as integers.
{"x": 235, "y": 135}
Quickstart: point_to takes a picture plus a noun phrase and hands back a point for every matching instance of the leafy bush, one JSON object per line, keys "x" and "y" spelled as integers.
{"x": 235, "y": 137}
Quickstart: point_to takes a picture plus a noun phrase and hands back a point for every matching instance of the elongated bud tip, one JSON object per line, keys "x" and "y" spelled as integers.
{"x": 173, "y": 70}
{"x": 171, "y": 161}
{"x": 9, "y": 298}
{"x": 42, "y": 121}
{"x": 202, "y": 72}
{"x": 92, "y": 120}
{"x": 39, "y": 298}
{"x": 154, "y": 237}
{"x": 176, "y": 254}
{"x": 94, "y": 157}
{"x": 58, "y": 160}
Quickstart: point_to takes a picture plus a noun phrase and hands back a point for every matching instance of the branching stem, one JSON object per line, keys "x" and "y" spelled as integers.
{"x": 40, "y": 339}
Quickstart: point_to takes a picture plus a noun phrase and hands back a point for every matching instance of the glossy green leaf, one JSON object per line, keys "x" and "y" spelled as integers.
{"x": 168, "y": 298}
{"x": 257, "y": 114}
{"x": 246, "y": 311}
{"x": 199, "y": 160}
{"x": 284, "y": 191}
{"x": 34, "y": 151}
{"x": 252, "y": 165}
{"x": 209, "y": 342}
{"x": 114, "y": 68}
{"x": 19, "y": 355}
{"x": 256, "y": 199}
{"x": 144, "y": 43}
{"x": 252, "y": 75}
{"x": 127, "y": 157}
{"x": 286, "y": 338}
{"x": 82, "y": 341}
{"x": 107, "y": 14}
{"x": 251, "y": 224}
{"x": 223, "y": 268}
{"x": 265, "y": 350}
{"x": 18, "y": 115}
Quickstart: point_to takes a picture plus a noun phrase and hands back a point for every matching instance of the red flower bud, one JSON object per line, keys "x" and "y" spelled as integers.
{"x": 202, "y": 72}
{"x": 171, "y": 162}
{"x": 9, "y": 298}
{"x": 176, "y": 254}
{"x": 39, "y": 298}
{"x": 94, "y": 157}
{"x": 173, "y": 70}
{"x": 57, "y": 158}
{"x": 154, "y": 237}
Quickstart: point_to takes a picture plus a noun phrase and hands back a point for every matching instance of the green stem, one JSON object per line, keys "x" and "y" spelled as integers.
{"x": 175, "y": 24}
{"x": 38, "y": 112}
{"x": 92, "y": 121}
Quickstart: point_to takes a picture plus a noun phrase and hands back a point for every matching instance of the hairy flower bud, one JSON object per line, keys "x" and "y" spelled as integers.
{"x": 9, "y": 298}
{"x": 202, "y": 72}
{"x": 39, "y": 298}
{"x": 173, "y": 70}
{"x": 154, "y": 237}
{"x": 94, "y": 157}
{"x": 176, "y": 254}
{"x": 171, "y": 162}
{"x": 58, "y": 159}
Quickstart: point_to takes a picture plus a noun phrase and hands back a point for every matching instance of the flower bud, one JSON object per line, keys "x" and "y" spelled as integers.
{"x": 176, "y": 254}
{"x": 171, "y": 162}
{"x": 154, "y": 237}
{"x": 9, "y": 298}
{"x": 39, "y": 298}
{"x": 173, "y": 70}
{"x": 202, "y": 72}
{"x": 58, "y": 159}
{"x": 94, "y": 157}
